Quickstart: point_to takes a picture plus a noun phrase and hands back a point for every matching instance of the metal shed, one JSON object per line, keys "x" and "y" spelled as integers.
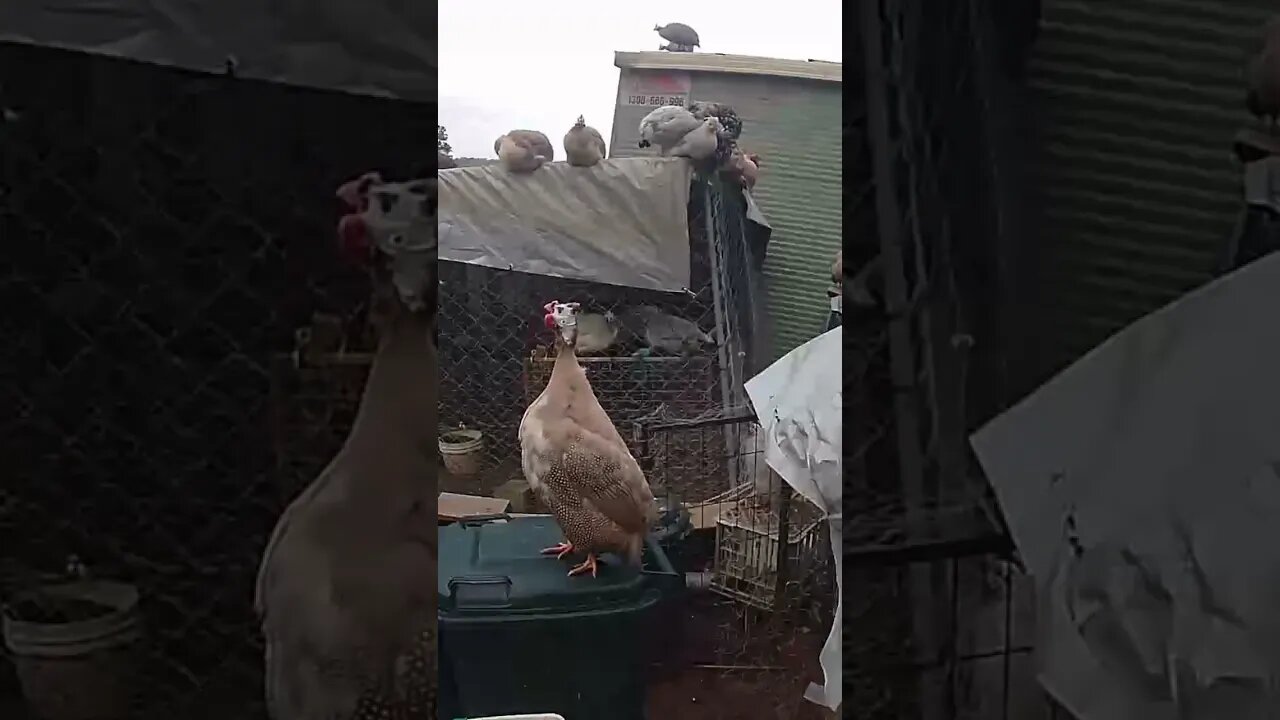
{"x": 1138, "y": 103}
{"x": 792, "y": 118}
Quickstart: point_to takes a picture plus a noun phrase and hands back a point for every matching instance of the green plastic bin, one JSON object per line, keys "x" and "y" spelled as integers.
{"x": 518, "y": 635}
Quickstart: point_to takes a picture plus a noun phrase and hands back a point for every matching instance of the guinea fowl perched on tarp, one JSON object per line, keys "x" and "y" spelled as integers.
{"x": 347, "y": 587}
{"x": 583, "y": 145}
{"x": 727, "y": 116}
{"x": 1263, "y": 96}
{"x": 578, "y": 465}
{"x": 666, "y": 126}
{"x": 522, "y": 151}
{"x": 679, "y": 34}
{"x": 700, "y": 143}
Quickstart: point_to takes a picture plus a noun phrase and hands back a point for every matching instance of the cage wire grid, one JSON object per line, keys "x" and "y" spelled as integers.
{"x": 764, "y": 604}
{"x": 938, "y": 627}
{"x": 496, "y": 356}
{"x": 157, "y": 257}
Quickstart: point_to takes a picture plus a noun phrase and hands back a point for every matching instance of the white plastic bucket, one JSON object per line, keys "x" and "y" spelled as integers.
{"x": 461, "y": 451}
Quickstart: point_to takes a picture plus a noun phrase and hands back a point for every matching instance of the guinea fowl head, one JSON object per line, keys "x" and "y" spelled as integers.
{"x": 389, "y": 231}
{"x": 562, "y": 318}
{"x": 582, "y": 122}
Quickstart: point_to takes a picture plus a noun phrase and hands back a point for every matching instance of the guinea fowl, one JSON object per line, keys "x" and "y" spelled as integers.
{"x": 679, "y": 34}
{"x": 347, "y": 586}
{"x": 583, "y": 145}
{"x": 522, "y": 151}
{"x": 666, "y": 126}
{"x": 578, "y": 465}
{"x": 700, "y": 143}
{"x": 596, "y": 333}
{"x": 727, "y": 116}
{"x": 661, "y": 331}
{"x": 1263, "y": 96}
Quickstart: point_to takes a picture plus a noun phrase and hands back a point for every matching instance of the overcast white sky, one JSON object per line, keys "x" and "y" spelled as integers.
{"x": 538, "y": 65}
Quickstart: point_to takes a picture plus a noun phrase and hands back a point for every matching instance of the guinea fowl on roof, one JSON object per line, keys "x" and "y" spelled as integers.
{"x": 666, "y": 126}
{"x": 679, "y": 34}
{"x": 523, "y": 151}
{"x": 583, "y": 145}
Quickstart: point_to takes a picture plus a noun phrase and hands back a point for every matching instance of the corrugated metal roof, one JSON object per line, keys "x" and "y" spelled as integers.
{"x": 1139, "y": 101}
{"x": 735, "y": 64}
{"x": 794, "y": 125}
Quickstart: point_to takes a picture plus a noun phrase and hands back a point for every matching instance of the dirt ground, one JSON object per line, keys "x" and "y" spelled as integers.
{"x": 731, "y": 668}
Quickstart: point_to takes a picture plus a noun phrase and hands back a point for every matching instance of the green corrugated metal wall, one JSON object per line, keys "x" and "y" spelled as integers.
{"x": 795, "y": 127}
{"x": 1138, "y": 102}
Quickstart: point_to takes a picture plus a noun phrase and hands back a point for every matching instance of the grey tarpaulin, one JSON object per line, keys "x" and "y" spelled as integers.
{"x": 622, "y": 222}
{"x": 374, "y": 47}
{"x": 1142, "y": 488}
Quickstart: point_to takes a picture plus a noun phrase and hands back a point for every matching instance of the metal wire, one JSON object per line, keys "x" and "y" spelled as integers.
{"x": 165, "y": 234}
{"x": 930, "y": 632}
{"x": 496, "y": 355}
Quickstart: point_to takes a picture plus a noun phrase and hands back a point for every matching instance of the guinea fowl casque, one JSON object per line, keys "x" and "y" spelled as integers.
{"x": 578, "y": 465}
{"x": 347, "y": 586}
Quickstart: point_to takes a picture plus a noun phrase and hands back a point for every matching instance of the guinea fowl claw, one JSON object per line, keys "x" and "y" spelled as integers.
{"x": 588, "y": 564}
{"x": 559, "y": 550}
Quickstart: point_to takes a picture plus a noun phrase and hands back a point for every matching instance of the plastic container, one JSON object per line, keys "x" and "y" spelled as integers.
{"x": 461, "y": 451}
{"x": 517, "y": 633}
{"x": 73, "y": 648}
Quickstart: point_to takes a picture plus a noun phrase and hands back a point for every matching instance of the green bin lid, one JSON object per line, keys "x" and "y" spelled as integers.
{"x": 496, "y": 567}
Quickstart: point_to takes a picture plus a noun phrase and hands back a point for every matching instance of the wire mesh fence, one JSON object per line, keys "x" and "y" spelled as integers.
{"x": 928, "y": 342}
{"x": 166, "y": 233}
{"x": 647, "y": 354}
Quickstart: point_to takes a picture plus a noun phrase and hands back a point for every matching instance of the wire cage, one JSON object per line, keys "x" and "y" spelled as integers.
{"x": 157, "y": 257}
{"x": 495, "y": 354}
{"x": 714, "y": 468}
{"x": 755, "y": 618}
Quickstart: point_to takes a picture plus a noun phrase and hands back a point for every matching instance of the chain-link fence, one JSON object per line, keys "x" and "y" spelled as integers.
{"x": 165, "y": 234}
{"x": 933, "y": 351}
{"x": 496, "y": 355}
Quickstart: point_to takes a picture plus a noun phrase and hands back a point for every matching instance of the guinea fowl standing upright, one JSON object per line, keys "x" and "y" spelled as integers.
{"x": 1263, "y": 96}
{"x": 347, "y": 586}
{"x": 577, "y": 463}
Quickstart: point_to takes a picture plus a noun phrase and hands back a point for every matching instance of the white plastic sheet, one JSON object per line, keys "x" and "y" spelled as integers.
{"x": 799, "y": 403}
{"x": 1142, "y": 488}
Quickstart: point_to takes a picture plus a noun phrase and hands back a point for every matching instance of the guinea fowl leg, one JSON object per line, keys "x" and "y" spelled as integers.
{"x": 588, "y": 564}
{"x": 559, "y": 550}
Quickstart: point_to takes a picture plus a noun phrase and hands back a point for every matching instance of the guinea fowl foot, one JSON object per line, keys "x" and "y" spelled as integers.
{"x": 559, "y": 550}
{"x": 588, "y": 564}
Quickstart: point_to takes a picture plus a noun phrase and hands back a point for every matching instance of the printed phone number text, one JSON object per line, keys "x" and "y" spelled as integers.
{"x": 655, "y": 100}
